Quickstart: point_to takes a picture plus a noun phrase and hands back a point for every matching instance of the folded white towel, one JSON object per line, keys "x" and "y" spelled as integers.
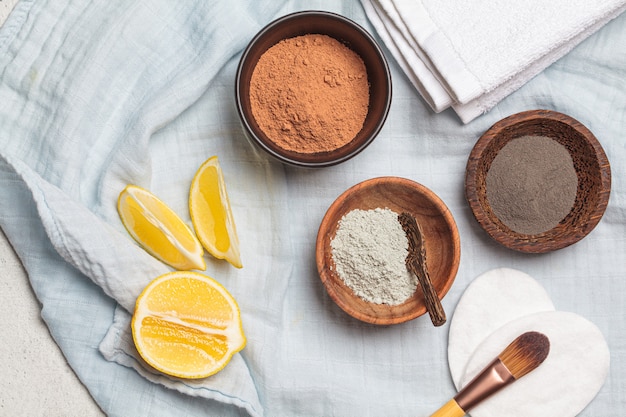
{"x": 470, "y": 55}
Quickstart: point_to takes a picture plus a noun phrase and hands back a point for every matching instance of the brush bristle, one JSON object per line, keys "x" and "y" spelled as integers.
{"x": 525, "y": 353}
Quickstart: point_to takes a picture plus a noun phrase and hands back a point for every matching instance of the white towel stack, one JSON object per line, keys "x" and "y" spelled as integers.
{"x": 469, "y": 55}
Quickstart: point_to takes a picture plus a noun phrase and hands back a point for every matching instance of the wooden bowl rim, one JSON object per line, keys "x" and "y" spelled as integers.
{"x": 326, "y": 276}
{"x": 534, "y": 243}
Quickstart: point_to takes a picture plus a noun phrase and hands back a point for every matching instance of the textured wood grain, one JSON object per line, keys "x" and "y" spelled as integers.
{"x": 440, "y": 234}
{"x": 417, "y": 263}
{"x": 590, "y": 163}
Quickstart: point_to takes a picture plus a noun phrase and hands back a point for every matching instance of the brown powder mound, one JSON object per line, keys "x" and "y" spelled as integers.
{"x": 310, "y": 94}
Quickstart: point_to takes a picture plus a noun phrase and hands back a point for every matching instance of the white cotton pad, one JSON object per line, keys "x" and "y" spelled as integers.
{"x": 563, "y": 385}
{"x": 489, "y": 302}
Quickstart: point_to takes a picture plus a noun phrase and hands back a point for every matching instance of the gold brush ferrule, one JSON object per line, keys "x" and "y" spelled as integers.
{"x": 493, "y": 378}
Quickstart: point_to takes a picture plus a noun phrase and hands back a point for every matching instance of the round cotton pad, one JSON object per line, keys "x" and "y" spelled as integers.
{"x": 563, "y": 385}
{"x": 489, "y": 302}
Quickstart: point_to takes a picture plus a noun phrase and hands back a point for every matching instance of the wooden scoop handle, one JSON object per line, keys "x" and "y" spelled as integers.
{"x": 416, "y": 263}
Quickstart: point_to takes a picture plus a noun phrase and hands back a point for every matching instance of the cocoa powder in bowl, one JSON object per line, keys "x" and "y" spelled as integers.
{"x": 310, "y": 93}
{"x": 347, "y": 34}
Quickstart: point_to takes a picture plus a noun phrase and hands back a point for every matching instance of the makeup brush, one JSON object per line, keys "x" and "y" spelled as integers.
{"x": 522, "y": 356}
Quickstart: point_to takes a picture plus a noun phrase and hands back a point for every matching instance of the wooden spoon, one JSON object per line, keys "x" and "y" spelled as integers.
{"x": 416, "y": 263}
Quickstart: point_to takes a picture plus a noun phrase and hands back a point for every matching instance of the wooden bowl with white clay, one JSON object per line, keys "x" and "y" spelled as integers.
{"x": 440, "y": 234}
{"x": 591, "y": 182}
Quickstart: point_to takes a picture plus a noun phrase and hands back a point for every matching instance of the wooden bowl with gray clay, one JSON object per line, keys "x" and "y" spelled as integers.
{"x": 590, "y": 163}
{"x": 440, "y": 235}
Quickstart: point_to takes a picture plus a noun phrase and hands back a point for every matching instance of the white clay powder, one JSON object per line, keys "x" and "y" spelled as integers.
{"x": 369, "y": 251}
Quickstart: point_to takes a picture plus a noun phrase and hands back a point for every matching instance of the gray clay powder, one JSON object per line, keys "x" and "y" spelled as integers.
{"x": 531, "y": 184}
{"x": 369, "y": 250}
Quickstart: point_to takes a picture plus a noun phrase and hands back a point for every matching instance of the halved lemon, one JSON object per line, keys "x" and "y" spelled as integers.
{"x": 187, "y": 325}
{"x": 211, "y": 213}
{"x": 159, "y": 230}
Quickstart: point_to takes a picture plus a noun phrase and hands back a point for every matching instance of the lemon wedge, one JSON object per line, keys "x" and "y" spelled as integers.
{"x": 211, "y": 213}
{"x": 187, "y": 325}
{"x": 159, "y": 230}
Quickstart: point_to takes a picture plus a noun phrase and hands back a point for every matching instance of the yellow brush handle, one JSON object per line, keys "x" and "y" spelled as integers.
{"x": 450, "y": 409}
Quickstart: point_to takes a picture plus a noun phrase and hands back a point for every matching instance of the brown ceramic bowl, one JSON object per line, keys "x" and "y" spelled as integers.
{"x": 440, "y": 235}
{"x": 590, "y": 163}
{"x": 345, "y": 31}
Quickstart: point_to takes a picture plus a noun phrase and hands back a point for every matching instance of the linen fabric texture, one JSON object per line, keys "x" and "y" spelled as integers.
{"x": 97, "y": 95}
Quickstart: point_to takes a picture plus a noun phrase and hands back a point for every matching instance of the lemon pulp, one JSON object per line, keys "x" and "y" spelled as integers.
{"x": 159, "y": 230}
{"x": 187, "y": 325}
{"x": 211, "y": 213}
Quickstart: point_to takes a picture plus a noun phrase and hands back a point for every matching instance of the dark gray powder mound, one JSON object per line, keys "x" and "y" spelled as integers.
{"x": 531, "y": 184}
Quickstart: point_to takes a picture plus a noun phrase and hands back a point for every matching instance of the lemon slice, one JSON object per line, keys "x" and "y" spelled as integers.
{"x": 187, "y": 325}
{"x": 211, "y": 214}
{"x": 159, "y": 230}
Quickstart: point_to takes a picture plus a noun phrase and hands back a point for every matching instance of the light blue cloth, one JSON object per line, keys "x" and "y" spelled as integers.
{"x": 95, "y": 95}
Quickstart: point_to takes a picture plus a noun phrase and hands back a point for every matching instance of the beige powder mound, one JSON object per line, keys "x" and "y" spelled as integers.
{"x": 369, "y": 250}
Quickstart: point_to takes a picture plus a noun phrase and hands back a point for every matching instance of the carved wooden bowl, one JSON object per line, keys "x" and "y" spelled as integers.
{"x": 590, "y": 162}
{"x": 440, "y": 235}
